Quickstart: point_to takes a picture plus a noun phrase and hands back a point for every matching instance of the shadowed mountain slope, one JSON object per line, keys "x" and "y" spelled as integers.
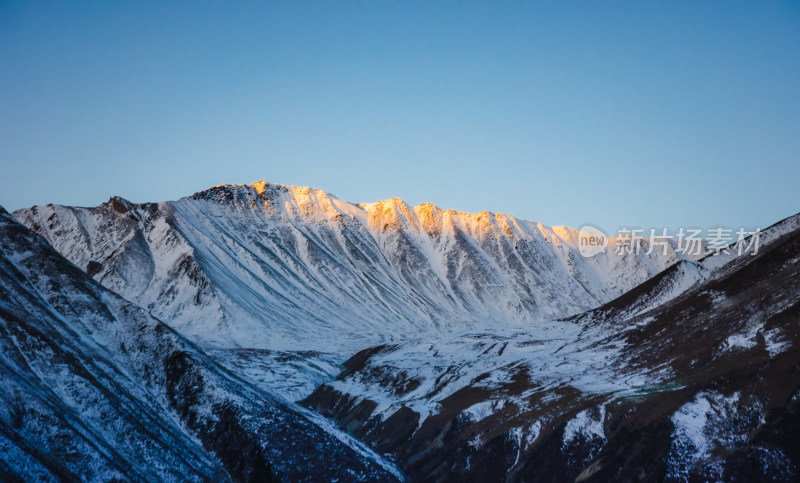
{"x": 694, "y": 375}
{"x": 95, "y": 388}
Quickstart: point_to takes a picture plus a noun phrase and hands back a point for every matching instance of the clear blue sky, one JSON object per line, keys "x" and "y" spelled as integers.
{"x": 615, "y": 113}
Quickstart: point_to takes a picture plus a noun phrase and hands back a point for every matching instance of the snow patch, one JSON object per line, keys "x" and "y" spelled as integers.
{"x": 587, "y": 424}
{"x": 482, "y": 410}
{"x": 708, "y": 422}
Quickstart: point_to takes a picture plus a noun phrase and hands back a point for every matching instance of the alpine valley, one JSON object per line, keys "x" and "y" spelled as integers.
{"x": 267, "y": 332}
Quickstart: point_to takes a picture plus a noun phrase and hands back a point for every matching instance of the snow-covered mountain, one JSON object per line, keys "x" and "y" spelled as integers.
{"x": 93, "y": 388}
{"x": 282, "y": 284}
{"x": 692, "y": 375}
{"x": 462, "y": 347}
{"x": 275, "y": 267}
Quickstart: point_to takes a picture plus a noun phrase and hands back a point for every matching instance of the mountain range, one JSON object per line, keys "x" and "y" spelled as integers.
{"x": 261, "y": 331}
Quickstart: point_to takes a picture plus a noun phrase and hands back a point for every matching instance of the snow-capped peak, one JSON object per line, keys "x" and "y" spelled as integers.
{"x": 284, "y": 267}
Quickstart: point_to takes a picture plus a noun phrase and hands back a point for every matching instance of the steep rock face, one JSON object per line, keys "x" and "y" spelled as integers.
{"x": 692, "y": 375}
{"x": 284, "y": 268}
{"x": 92, "y": 387}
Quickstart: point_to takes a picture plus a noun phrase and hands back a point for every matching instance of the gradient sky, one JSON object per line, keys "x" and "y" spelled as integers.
{"x": 614, "y": 113}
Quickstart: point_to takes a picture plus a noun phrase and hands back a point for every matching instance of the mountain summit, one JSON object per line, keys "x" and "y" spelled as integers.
{"x": 254, "y": 266}
{"x": 462, "y": 347}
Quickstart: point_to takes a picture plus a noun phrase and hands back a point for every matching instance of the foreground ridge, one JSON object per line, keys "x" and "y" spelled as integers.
{"x": 94, "y": 388}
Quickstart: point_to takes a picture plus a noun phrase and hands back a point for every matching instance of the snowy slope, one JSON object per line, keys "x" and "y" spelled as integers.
{"x": 689, "y": 375}
{"x": 295, "y": 269}
{"x": 94, "y": 388}
{"x": 486, "y": 348}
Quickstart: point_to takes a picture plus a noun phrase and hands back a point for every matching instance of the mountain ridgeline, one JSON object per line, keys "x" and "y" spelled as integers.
{"x": 253, "y": 332}
{"x": 255, "y": 265}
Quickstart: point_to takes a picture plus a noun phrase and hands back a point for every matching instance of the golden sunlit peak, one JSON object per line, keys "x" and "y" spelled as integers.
{"x": 427, "y": 209}
{"x": 260, "y": 186}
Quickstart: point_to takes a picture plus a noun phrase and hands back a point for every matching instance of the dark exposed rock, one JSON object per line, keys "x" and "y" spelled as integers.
{"x": 119, "y": 205}
{"x": 93, "y": 268}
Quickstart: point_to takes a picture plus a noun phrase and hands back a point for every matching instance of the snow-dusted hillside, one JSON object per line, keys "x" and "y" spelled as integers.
{"x": 93, "y": 388}
{"x": 284, "y": 268}
{"x": 691, "y": 375}
{"x": 463, "y": 347}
